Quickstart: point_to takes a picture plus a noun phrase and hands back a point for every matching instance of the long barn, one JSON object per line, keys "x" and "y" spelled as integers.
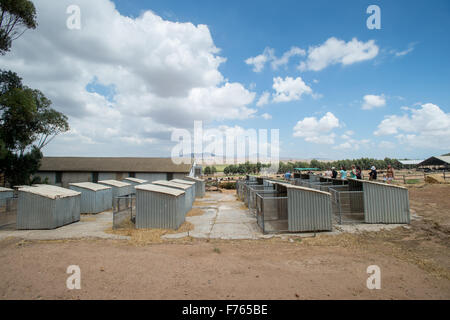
{"x": 62, "y": 171}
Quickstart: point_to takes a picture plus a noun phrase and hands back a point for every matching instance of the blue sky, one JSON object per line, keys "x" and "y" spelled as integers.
{"x": 403, "y": 84}
{"x": 242, "y": 29}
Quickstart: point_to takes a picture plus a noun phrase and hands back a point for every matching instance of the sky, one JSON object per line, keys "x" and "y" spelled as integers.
{"x": 135, "y": 71}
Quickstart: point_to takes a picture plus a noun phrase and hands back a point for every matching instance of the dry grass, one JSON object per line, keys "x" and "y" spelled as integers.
{"x": 396, "y": 243}
{"x": 202, "y": 204}
{"x": 195, "y": 212}
{"x": 142, "y": 237}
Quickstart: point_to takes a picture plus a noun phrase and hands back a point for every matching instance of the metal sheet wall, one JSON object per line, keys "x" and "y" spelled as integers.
{"x": 150, "y": 177}
{"x": 309, "y": 210}
{"x": 385, "y": 204}
{"x": 35, "y": 212}
{"x": 158, "y": 210}
{"x": 94, "y": 201}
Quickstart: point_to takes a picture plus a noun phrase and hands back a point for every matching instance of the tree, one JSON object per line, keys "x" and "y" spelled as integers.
{"x": 27, "y": 124}
{"x": 207, "y": 170}
{"x": 16, "y": 16}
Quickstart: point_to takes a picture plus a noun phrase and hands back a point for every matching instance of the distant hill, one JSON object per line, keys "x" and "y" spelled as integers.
{"x": 445, "y": 155}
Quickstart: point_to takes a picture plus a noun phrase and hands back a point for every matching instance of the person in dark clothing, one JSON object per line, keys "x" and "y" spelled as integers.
{"x": 373, "y": 173}
{"x": 358, "y": 173}
{"x": 334, "y": 173}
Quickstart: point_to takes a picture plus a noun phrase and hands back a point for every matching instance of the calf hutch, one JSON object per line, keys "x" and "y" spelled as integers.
{"x": 189, "y": 190}
{"x": 159, "y": 207}
{"x": 135, "y": 182}
{"x": 6, "y": 193}
{"x": 95, "y": 198}
{"x": 47, "y": 207}
{"x": 200, "y": 186}
{"x": 119, "y": 188}
{"x": 283, "y": 207}
{"x": 189, "y": 183}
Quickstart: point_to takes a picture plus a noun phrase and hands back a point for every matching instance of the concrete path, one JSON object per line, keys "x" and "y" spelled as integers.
{"x": 225, "y": 218}
{"x": 91, "y": 226}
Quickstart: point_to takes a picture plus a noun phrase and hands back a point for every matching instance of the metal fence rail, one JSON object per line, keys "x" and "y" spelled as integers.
{"x": 272, "y": 212}
{"x": 253, "y": 191}
{"x": 124, "y": 212}
{"x": 8, "y": 213}
{"x": 348, "y": 206}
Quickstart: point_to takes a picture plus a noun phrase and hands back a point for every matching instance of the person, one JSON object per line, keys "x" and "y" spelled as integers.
{"x": 389, "y": 174}
{"x": 328, "y": 173}
{"x": 287, "y": 176}
{"x": 358, "y": 173}
{"x": 353, "y": 172}
{"x": 343, "y": 173}
{"x": 373, "y": 173}
{"x": 334, "y": 173}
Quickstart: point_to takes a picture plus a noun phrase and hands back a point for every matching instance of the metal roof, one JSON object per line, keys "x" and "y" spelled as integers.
{"x": 136, "y": 180}
{"x": 115, "y": 183}
{"x": 93, "y": 164}
{"x": 410, "y": 162}
{"x": 48, "y": 191}
{"x": 172, "y": 184}
{"x": 191, "y": 183}
{"x": 436, "y": 161}
{"x": 160, "y": 189}
{"x": 90, "y": 186}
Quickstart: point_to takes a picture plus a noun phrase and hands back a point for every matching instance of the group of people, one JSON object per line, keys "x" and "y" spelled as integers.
{"x": 356, "y": 173}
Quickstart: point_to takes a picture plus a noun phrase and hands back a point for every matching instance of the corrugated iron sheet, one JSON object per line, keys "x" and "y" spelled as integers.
{"x": 309, "y": 210}
{"x": 158, "y": 210}
{"x": 189, "y": 190}
{"x": 36, "y": 212}
{"x": 94, "y": 201}
{"x": 200, "y": 186}
{"x": 385, "y": 203}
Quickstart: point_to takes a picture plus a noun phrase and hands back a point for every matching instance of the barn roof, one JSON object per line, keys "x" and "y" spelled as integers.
{"x": 91, "y": 164}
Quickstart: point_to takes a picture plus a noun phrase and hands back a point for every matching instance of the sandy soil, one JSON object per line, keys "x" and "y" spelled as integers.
{"x": 414, "y": 262}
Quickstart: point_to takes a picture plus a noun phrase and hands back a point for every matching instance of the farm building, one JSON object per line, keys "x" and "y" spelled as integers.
{"x": 47, "y": 207}
{"x": 438, "y": 163}
{"x": 200, "y": 186}
{"x": 61, "y": 171}
{"x": 135, "y": 182}
{"x": 6, "y": 193}
{"x": 159, "y": 207}
{"x": 189, "y": 190}
{"x": 189, "y": 183}
{"x": 95, "y": 198}
{"x": 119, "y": 188}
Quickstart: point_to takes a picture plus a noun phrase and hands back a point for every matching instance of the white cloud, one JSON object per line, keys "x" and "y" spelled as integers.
{"x": 165, "y": 75}
{"x": 289, "y": 89}
{"x": 284, "y": 60}
{"x": 317, "y": 130}
{"x": 335, "y": 51}
{"x": 373, "y": 101}
{"x": 260, "y": 61}
{"x": 386, "y": 145}
{"x": 266, "y": 116}
{"x": 428, "y": 126}
{"x": 410, "y": 49}
{"x": 264, "y": 99}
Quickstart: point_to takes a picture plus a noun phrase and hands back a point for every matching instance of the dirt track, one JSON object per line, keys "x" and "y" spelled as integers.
{"x": 414, "y": 263}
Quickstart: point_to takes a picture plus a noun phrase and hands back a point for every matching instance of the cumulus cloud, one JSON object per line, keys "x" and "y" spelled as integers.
{"x": 317, "y": 130}
{"x": 164, "y": 74}
{"x": 264, "y": 99}
{"x": 266, "y": 116}
{"x": 335, "y": 51}
{"x": 373, "y": 101}
{"x": 428, "y": 126}
{"x": 258, "y": 62}
{"x": 289, "y": 89}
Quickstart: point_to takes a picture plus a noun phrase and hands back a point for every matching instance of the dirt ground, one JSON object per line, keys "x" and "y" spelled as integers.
{"x": 414, "y": 262}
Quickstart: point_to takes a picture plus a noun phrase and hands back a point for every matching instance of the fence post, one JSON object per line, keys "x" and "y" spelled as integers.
{"x": 404, "y": 179}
